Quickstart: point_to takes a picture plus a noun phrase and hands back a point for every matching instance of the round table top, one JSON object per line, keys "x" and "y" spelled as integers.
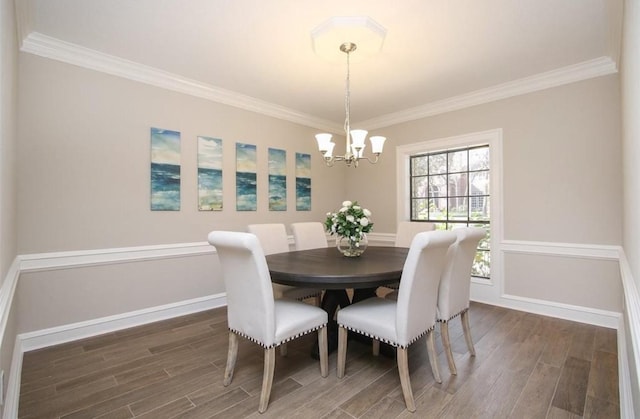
{"x": 327, "y": 268}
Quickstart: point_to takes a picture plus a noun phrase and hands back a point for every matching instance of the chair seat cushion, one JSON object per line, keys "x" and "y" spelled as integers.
{"x": 373, "y": 317}
{"x": 294, "y": 318}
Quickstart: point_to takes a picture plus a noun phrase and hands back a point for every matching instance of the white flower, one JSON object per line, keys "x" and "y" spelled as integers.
{"x": 329, "y": 214}
{"x": 351, "y": 218}
{"x": 364, "y": 221}
{"x": 344, "y": 209}
{"x": 367, "y": 212}
{"x": 346, "y": 204}
{"x": 356, "y": 207}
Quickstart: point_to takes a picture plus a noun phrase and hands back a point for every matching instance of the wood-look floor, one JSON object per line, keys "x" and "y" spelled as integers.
{"x": 527, "y": 366}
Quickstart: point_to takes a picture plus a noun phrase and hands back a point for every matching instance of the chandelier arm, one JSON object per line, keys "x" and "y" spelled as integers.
{"x": 374, "y": 161}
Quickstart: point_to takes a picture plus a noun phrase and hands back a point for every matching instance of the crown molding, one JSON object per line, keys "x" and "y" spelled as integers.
{"x": 582, "y": 71}
{"x": 48, "y": 47}
{"x": 24, "y": 18}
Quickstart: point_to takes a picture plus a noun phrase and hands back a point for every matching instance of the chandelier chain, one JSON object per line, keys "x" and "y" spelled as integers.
{"x": 347, "y": 106}
{"x": 353, "y": 153}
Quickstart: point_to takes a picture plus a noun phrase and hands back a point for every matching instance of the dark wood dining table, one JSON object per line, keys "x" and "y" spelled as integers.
{"x": 327, "y": 269}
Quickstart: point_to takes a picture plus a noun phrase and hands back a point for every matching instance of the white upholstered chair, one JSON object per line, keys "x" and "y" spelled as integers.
{"x": 309, "y": 235}
{"x": 273, "y": 239}
{"x": 407, "y": 229}
{"x": 253, "y": 313}
{"x": 404, "y": 235}
{"x": 402, "y": 322}
{"x": 453, "y": 294}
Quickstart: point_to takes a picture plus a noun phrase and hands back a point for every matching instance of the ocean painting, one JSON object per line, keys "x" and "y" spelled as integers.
{"x": 246, "y": 176}
{"x": 303, "y": 182}
{"x": 209, "y": 174}
{"x": 165, "y": 170}
{"x": 277, "y": 180}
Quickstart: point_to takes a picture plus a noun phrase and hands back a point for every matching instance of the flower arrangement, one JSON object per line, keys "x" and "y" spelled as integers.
{"x": 351, "y": 222}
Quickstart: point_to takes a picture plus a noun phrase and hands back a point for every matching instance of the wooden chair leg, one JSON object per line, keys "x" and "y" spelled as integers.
{"x": 323, "y": 351}
{"x": 376, "y": 347}
{"x": 342, "y": 350}
{"x": 267, "y": 378}
{"x": 464, "y": 318}
{"x": 433, "y": 357}
{"x": 405, "y": 381}
{"x": 446, "y": 342}
{"x": 232, "y": 356}
{"x": 318, "y": 299}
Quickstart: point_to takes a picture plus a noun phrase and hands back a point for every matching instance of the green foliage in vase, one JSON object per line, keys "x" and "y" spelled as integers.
{"x": 350, "y": 221}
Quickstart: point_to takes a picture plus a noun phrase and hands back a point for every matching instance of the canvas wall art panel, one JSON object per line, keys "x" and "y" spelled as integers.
{"x": 246, "y": 177}
{"x": 209, "y": 174}
{"x": 303, "y": 182}
{"x": 277, "y": 180}
{"x": 165, "y": 170}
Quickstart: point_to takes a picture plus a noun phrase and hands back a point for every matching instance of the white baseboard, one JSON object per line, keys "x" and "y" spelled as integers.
{"x": 70, "y": 332}
{"x": 624, "y": 377}
{"x": 604, "y": 318}
{"x": 626, "y": 374}
{"x": 12, "y": 397}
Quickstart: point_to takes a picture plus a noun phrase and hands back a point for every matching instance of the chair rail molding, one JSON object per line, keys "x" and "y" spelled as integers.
{"x": 579, "y": 250}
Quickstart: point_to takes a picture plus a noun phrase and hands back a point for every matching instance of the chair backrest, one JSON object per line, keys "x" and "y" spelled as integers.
{"x": 418, "y": 292}
{"x": 309, "y": 235}
{"x": 408, "y": 229}
{"x": 453, "y": 295}
{"x": 273, "y": 237}
{"x": 250, "y": 304}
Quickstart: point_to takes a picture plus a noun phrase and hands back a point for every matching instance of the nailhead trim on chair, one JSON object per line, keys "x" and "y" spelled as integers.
{"x": 279, "y": 343}
{"x": 453, "y": 317}
{"x": 394, "y": 344}
{"x": 315, "y": 294}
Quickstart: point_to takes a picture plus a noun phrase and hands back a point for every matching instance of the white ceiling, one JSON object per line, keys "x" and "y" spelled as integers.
{"x": 434, "y": 50}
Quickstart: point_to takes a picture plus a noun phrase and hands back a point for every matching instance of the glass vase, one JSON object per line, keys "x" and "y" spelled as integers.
{"x": 352, "y": 248}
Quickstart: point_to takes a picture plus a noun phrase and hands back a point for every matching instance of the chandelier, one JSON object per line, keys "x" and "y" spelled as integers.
{"x": 355, "y": 139}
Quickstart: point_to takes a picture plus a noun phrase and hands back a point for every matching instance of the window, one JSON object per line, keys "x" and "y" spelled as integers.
{"x": 483, "y": 198}
{"x": 451, "y": 188}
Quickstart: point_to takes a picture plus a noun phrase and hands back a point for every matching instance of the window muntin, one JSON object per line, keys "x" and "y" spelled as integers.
{"x": 450, "y": 188}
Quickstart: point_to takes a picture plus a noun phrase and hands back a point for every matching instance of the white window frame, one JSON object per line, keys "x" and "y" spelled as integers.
{"x": 482, "y": 289}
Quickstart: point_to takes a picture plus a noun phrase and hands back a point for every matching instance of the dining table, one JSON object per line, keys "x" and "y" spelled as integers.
{"x": 327, "y": 269}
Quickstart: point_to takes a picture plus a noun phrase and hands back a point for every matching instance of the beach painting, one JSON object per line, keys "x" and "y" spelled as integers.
{"x": 209, "y": 174}
{"x": 303, "y": 182}
{"x": 165, "y": 170}
{"x": 277, "y": 180}
{"x": 246, "y": 176}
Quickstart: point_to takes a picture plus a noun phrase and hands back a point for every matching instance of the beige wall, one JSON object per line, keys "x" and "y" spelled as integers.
{"x": 66, "y": 296}
{"x": 85, "y": 147}
{"x": 8, "y": 193}
{"x": 562, "y": 159}
{"x": 562, "y": 183}
{"x": 8, "y": 134}
{"x": 630, "y": 86}
{"x": 85, "y": 150}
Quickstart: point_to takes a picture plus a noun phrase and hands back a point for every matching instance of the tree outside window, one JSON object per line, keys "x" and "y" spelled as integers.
{"x": 450, "y": 188}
